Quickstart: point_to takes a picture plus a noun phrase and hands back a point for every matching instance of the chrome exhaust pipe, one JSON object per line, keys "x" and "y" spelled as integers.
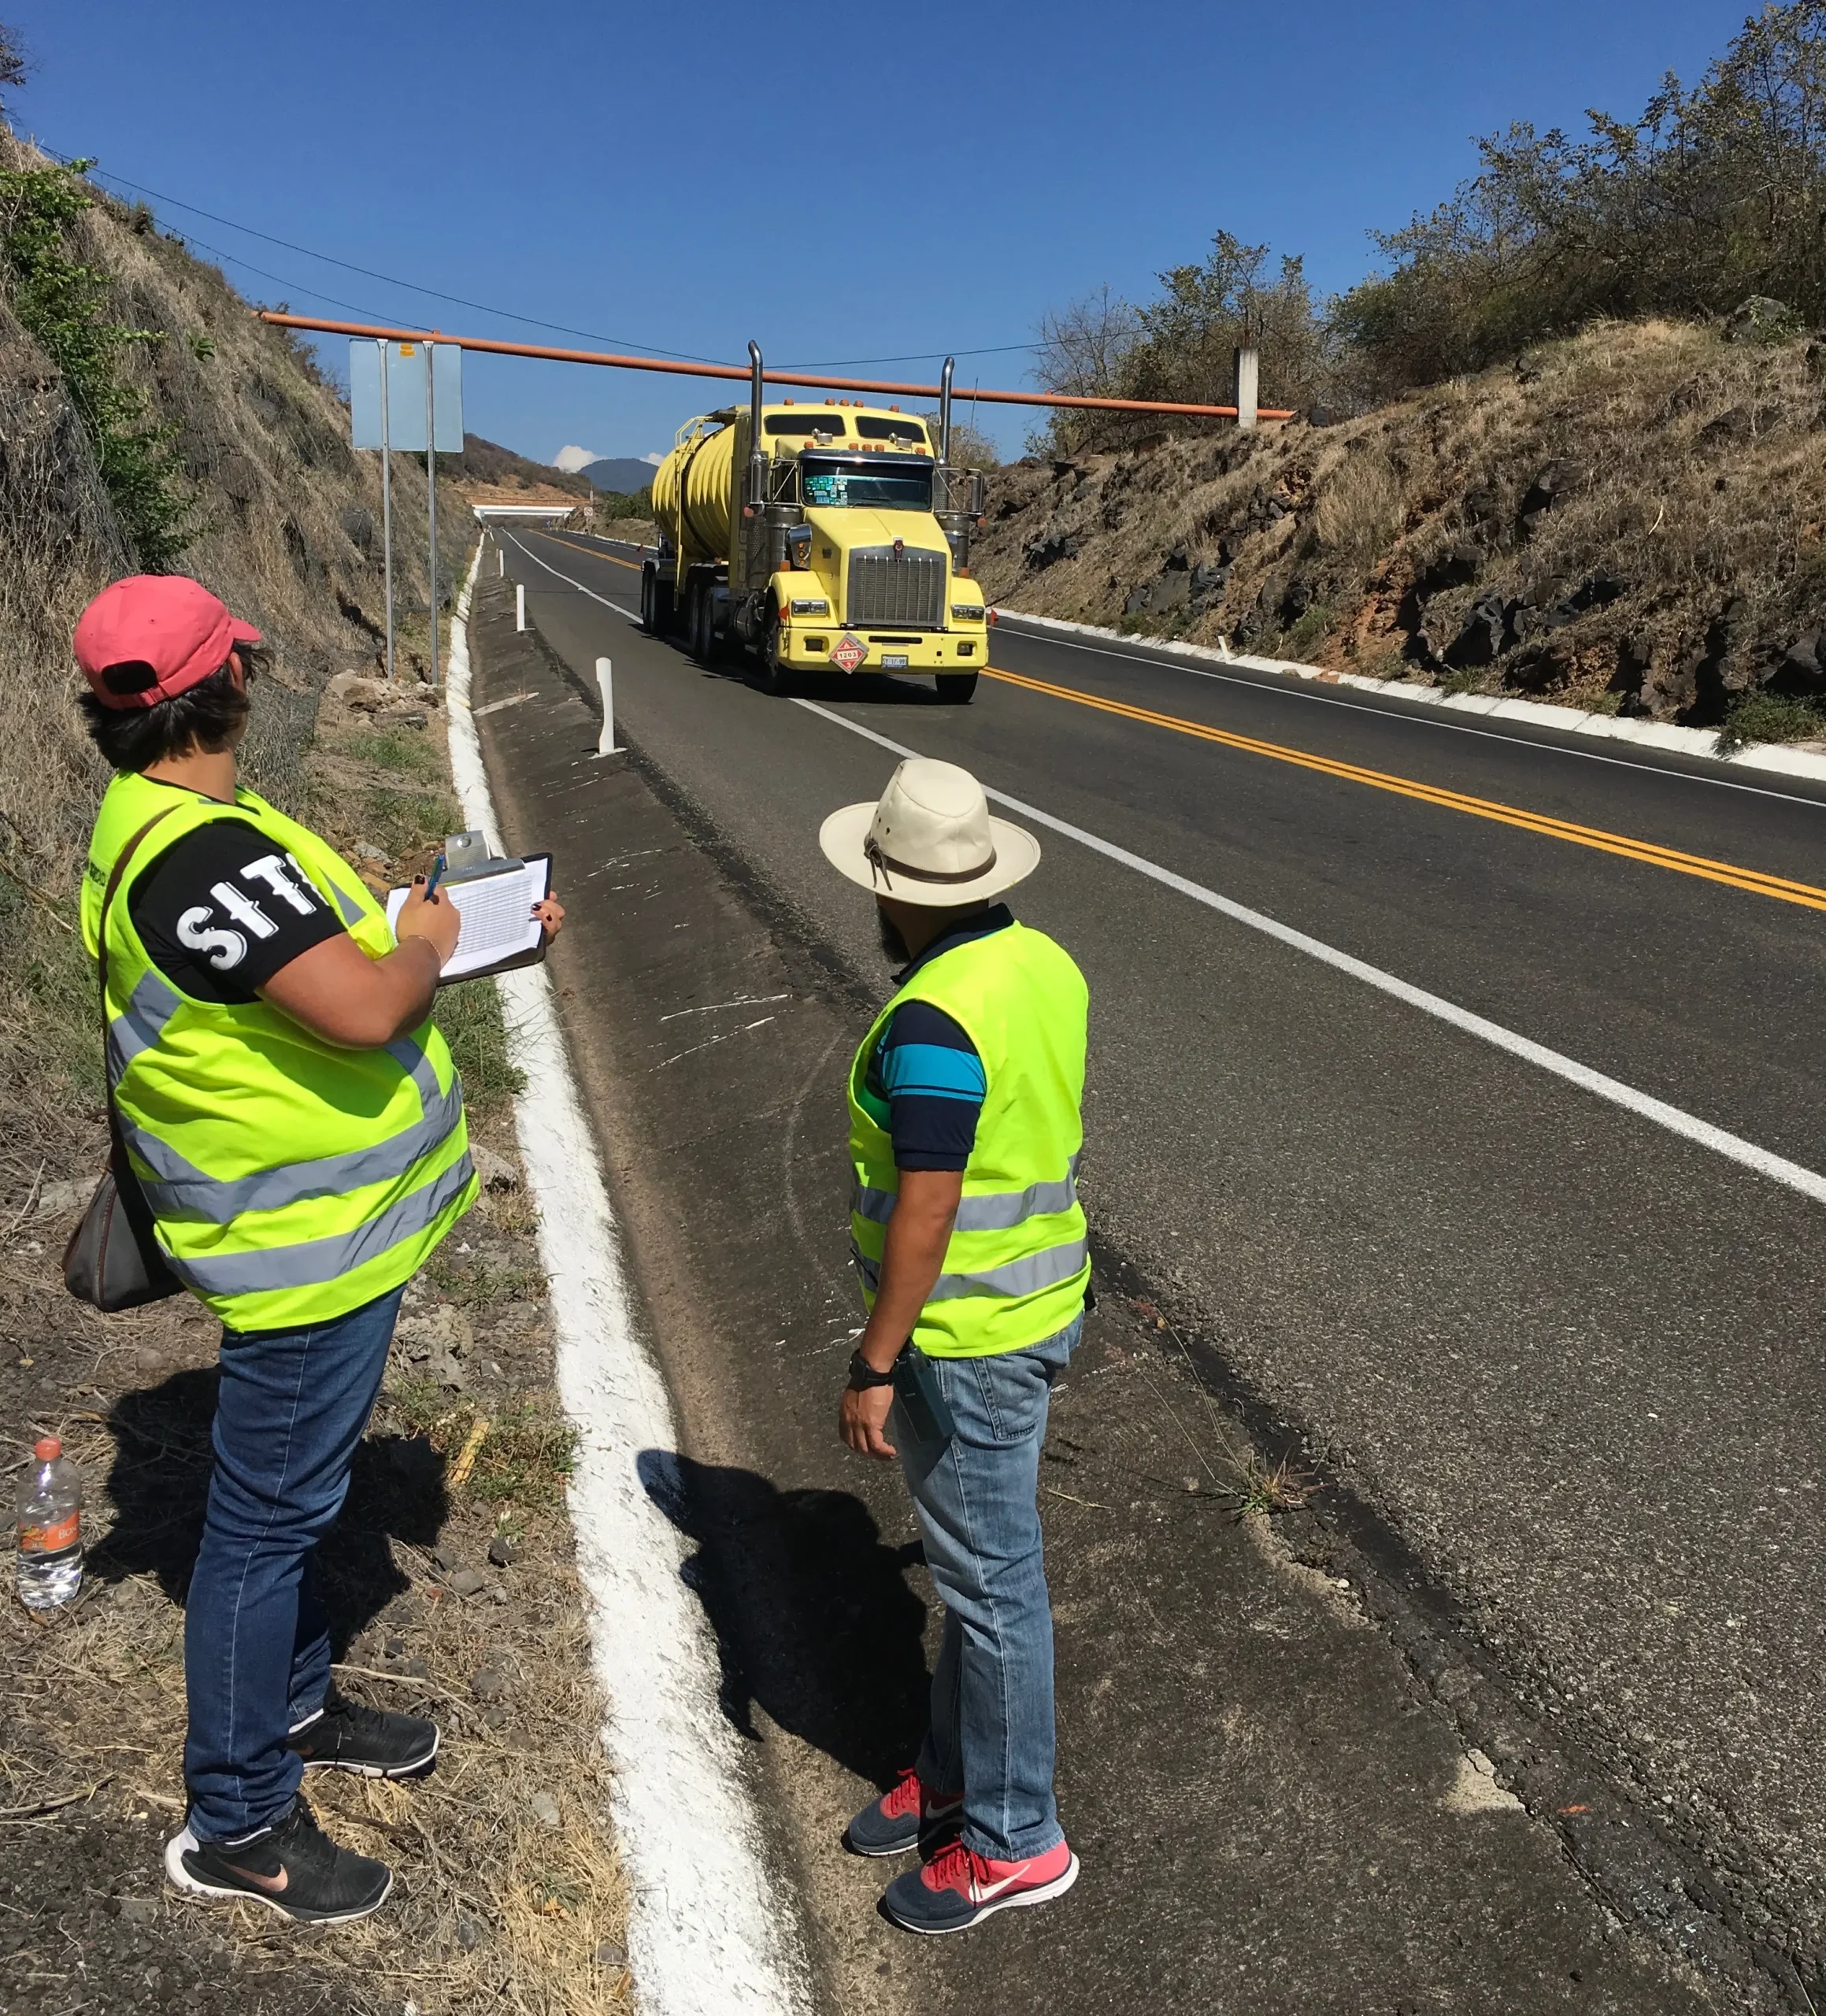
{"x": 945, "y": 410}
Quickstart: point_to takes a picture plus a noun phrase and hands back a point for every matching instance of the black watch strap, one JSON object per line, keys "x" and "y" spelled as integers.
{"x": 863, "y": 1374}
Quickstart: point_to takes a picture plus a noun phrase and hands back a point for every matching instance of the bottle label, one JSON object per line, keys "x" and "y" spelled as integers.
{"x": 53, "y": 1539}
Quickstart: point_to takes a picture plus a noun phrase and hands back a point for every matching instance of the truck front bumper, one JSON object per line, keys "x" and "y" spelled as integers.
{"x": 933, "y": 650}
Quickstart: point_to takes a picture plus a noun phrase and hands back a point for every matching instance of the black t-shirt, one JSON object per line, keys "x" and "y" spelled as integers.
{"x": 223, "y": 909}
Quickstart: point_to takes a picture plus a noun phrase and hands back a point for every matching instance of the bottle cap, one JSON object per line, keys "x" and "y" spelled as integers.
{"x": 48, "y": 1449}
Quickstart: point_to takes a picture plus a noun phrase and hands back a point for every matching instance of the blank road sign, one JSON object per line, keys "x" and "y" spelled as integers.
{"x": 405, "y": 394}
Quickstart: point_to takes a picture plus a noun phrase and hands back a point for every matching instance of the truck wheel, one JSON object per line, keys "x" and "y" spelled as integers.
{"x": 777, "y": 678}
{"x": 698, "y": 626}
{"x": 647, "y": 585}
{"x": 956, "y": 687}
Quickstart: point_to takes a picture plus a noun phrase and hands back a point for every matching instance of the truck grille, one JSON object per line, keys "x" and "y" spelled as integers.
{"x": 906, "y": 588}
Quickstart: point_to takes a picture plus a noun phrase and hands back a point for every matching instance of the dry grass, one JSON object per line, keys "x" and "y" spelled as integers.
{"x": 1697, "y": 481}
{"x": 285, "y": 518}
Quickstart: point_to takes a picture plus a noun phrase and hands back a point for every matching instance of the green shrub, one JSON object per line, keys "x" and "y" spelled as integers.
{"x": 1769, "y": 717}
{"x": 62, "y": 304}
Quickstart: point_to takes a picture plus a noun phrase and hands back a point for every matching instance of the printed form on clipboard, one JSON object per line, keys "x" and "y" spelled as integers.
{"x": 495, "y": 903}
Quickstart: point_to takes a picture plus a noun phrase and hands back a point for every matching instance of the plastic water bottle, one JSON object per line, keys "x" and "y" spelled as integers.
{"x": 50, "y": 1527}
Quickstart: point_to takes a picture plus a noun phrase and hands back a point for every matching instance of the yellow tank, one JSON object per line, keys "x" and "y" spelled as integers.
{"x": 703, "y": 465}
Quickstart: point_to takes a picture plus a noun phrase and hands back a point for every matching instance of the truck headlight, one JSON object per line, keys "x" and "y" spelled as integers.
{"x": 966, "y": 611}
{"x": 799, "y": 546}
{"x": 810, "y": 606}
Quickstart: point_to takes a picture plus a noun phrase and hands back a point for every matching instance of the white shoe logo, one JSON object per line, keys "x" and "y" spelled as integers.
{"x": 980, "y": 1893}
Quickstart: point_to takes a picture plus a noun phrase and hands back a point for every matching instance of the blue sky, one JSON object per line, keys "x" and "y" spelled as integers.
{"x": 813, "y": 175}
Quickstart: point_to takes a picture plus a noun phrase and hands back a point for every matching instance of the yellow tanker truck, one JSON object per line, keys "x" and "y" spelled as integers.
{"x": 818, "y": 537}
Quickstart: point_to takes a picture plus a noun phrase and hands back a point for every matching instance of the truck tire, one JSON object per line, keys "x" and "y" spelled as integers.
{"x": 702, "y": 627}
{"x": 956, "y": 688}
{"x": 775, "y": 677}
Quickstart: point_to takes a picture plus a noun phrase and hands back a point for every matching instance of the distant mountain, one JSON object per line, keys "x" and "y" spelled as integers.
{"x": 488, "y": 462}
{"x": 621, "y": 474}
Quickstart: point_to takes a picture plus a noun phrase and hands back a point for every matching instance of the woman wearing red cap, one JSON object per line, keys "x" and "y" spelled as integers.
{"x": 297, "y": 1126}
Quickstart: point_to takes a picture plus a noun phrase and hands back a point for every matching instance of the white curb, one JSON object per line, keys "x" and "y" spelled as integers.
{"x": 1571, "y": 721}
{"x": 709, "y": 1931}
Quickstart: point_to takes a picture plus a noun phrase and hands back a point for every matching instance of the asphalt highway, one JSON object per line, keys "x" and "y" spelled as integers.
{"x": 1565, "y": 1346}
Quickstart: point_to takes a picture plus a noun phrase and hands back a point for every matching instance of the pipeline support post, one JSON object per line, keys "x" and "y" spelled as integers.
{"x": 1248, "y": 387}
{"x": 606, "y": 679}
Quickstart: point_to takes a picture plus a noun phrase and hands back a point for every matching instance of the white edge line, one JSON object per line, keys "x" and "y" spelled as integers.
{"x": 1689, "y": 1126}
{"x": 1702, "y": 742}
{"x": 569, "y": 580}
{"x": 707, "y": 1936}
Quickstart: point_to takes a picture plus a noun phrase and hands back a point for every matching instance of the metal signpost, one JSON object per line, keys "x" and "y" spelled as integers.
{"x": 376, "y": 369}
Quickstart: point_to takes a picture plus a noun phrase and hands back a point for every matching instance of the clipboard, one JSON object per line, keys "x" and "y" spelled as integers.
{"x": 496, "y": 900}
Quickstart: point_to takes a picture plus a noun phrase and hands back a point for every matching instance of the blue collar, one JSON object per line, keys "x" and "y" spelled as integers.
{"x": 979, "y": 924}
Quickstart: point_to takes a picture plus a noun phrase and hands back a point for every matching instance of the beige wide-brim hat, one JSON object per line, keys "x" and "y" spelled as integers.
{"x": 929, "y": 839}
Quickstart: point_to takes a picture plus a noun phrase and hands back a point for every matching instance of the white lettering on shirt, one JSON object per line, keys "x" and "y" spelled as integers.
{"x": 276, "y": 874}
{"x": 225, "y": 948}
{"x": 242, "y": 911}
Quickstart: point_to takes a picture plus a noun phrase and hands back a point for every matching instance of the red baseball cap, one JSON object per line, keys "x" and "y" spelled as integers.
{"x": 147, "y": 638}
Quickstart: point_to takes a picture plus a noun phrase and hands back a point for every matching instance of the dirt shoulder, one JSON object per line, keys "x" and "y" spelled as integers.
{"x": 1273, "y": 1811}
{"x": 451, "y": 1579}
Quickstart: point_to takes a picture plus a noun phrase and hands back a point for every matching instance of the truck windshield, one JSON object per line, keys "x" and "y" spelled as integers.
{"x": 840, "y": 485}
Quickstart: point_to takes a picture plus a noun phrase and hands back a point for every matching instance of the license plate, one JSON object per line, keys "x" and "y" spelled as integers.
{"x": 894, "y": 660}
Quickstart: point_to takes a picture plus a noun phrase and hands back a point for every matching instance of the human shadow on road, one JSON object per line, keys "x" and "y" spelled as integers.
{"x": 159, "y": 1483}
{"x": 814, "y": 1622}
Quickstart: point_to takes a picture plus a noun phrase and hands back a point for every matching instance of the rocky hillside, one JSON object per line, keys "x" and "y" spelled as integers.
{"x": 1632, "y": 521}
{"x": 278, "y": 514}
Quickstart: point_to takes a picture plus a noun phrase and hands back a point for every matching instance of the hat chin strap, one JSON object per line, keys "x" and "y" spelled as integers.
{"x": 885, "y": 865}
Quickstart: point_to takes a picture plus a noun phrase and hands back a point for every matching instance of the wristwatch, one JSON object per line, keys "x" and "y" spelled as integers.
{"x": 863, "y": 1375}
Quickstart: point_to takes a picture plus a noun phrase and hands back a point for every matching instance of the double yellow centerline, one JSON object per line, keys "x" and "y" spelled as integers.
{"x": 1728, "y": 873}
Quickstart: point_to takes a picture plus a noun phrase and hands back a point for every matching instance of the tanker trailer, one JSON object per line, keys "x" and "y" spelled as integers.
{"x": 814, "y": 538}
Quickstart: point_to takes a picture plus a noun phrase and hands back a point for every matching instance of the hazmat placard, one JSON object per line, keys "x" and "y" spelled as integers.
{"x": 848, "y": 652}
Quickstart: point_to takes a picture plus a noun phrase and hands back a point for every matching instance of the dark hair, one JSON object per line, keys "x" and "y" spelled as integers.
{"x": 204, "y": 717}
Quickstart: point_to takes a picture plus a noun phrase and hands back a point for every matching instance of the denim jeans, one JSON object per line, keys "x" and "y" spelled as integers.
{"x": 977, "y": 1498}
{"x": 291, "y": 1409}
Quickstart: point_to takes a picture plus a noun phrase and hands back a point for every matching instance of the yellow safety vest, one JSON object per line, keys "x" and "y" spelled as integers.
{"x": 1017, "y": 1263}
{"x": 291, "y": 1181}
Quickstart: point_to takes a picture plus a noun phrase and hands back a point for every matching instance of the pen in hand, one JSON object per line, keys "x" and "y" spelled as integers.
{"x": 432, "y": 879}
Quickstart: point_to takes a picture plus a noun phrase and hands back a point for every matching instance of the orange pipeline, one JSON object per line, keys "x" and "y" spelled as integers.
{"x": 740, "y": 371}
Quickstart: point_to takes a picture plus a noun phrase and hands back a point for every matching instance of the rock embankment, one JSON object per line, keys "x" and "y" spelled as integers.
{"x": 1633, "y": 521}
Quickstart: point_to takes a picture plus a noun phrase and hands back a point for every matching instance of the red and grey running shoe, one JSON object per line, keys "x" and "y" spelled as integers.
{"x": 959, "y": 1887}
{"x": 900, "y": 1820}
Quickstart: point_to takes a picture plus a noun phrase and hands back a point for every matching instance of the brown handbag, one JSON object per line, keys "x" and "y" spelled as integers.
{"x": 113, "y": 1260}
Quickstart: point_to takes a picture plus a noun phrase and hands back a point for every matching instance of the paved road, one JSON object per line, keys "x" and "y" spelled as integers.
{"x": 1566, "y": 1356}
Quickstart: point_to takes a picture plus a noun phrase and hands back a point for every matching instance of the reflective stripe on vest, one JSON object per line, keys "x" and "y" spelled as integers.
{"x": 1026, "y": 1276}
{"x": 177, "y": 1189}
{"x": 998, "y": 1210}
{"x": 318, "y": 1260}
{"x": 290, "y": 1181}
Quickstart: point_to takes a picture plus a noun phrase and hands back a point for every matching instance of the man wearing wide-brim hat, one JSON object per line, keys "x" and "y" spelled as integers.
{"x": 965, "y": 1130}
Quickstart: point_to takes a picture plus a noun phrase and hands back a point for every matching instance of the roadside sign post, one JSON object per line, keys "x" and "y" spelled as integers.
{"x": 375, "y": 369}
{"x": 386, "y": 506}
{"x": 431, "y": 471}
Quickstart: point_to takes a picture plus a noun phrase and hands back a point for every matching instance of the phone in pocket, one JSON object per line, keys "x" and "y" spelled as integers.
{"x": 921, "y": 1397}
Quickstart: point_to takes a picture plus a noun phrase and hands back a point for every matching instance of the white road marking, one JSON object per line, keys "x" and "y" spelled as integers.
{"x": 569, "y": 580}
{"x": 1689, "y": 1126}
{"x": 1275, "y": 683}
{"x": 709, "y": 1931}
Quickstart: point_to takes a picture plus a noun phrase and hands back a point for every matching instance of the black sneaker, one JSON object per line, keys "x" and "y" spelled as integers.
{"x": 373, "y": 1743}
{"x": 293, "y": 1866}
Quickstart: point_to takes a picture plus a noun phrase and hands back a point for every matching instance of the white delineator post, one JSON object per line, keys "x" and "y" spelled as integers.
{"x": 606, "y": 679}
{"x": 1248, "y": 382}
{"x": 500, "y": 559}
{"x": 520, "y": 605}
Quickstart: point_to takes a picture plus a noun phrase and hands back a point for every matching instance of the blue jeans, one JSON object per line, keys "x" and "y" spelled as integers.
{"x": 289, "y": 1414}
{"x": 977, "y": 1498}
